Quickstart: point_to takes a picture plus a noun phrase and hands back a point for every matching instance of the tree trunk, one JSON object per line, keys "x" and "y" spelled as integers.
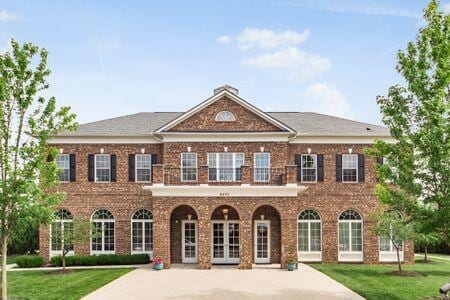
{"x": 426, "y": 253}
{"x": 63, "y": 258}
{"x": 398, "y": 259}
{"x": 4, "y": 254}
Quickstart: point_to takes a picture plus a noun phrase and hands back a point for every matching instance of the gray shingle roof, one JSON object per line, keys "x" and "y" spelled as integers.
{"x": 305, "y": 123}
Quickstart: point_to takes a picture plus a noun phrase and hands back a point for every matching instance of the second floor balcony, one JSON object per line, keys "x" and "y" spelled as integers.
{"x": 244, "y": 181}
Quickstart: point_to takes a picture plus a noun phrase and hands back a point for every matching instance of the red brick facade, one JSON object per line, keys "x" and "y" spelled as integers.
{"x": 122, "y": 198}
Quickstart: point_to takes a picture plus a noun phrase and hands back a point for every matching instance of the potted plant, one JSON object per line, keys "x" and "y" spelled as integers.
{"x": 158, "y": 264}
{"x": 291, "y": 262}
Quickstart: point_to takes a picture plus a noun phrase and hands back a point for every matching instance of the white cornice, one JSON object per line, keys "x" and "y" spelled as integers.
{"x": 225, "y": 136}
{"x": 340, "y": 139}
{"x": 104, "y": 140}
{"x": 232, "y": 97}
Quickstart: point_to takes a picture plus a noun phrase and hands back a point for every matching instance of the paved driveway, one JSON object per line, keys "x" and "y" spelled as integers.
{"x": 224, "y": 283}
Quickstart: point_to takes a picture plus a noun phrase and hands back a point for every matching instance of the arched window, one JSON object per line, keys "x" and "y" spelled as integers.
{"x": 102, "y": 240}
{"x": 142, "y": 232}
{"x": 309, "y": 236}
{"x": 61, "y": 230}
{"x": 350, "y": 236}
{"x": 225, "y": 116}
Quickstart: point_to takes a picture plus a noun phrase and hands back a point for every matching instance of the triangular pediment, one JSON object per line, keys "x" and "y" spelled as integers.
{"x": 245, "y": 117}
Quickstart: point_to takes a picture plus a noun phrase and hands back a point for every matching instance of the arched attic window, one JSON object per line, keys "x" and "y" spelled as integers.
{"x": 225, "y": 116}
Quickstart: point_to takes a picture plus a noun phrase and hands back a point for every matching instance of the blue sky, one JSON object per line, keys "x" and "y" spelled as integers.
{"x": 110, "y": 58}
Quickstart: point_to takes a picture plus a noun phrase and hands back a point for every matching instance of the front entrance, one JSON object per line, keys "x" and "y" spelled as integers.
{"x": 225, "y": 242}
{"x": 189, "y": 241}
{"x": 262, "y": 241}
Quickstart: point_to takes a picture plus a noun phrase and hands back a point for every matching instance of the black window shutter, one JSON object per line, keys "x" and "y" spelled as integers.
{"x": 338, "y": 167}
{"x": 361, "y": 167}
{"x": 113, "y": 167}
{"x": 91, "y": 167}
{"x": 298, "y": 162}
{"x": 319, "y": 167}
{"x": 131, "y": 167}
{"x": 154, "y": 159}
{"x": 73, "y": 167}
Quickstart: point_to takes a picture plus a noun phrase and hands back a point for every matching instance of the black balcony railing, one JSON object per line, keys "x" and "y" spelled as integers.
{"x": 224, "y": 174}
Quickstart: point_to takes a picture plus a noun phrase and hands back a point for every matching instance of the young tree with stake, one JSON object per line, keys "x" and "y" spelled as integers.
{"x": 27, "y": 121}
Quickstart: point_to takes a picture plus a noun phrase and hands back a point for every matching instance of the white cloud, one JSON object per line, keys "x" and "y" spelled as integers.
{"x": 363, "y": 7}
{"x": 269, "y": 39}
{"x": 447, "y": 8}
{"x": 292, "y": 59}
{"x": 224, "y": 39}
{"x": 6, "y": 16}
{"x": 327, "y": 99}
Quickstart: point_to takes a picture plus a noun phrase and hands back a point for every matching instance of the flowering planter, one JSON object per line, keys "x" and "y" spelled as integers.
{"x": 158, "y": 264}
{"x": 291, "y": 266}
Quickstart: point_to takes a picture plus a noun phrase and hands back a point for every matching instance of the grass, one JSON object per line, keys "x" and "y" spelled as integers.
{"x": 372, "y": 282}
{"x": 53, "y": 285}
{"x": 421, "y": 255}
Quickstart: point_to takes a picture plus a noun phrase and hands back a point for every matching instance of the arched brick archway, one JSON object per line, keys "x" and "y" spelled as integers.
{"x": 225, "y": 235}
{"x": 180, "y": 215}
{"x": 266, "y": 235}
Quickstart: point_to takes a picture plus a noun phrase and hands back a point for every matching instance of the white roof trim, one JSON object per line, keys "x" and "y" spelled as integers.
{"x": 341, "y": 139}
{"x": 103, "y": 140}
{"x": 225, "y": 136}
{"x": 216, "y": 97}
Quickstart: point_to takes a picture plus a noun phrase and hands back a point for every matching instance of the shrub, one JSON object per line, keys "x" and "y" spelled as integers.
{"x": 102, "y": 260}
{"x": 29, "y": 261}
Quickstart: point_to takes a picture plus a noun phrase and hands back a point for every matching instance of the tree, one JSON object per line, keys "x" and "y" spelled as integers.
{"x": 77, "y": 231}
{"x": 416, "y": 175}
{"x": 426, "y": 239}
{"x": 392, "y": 225}
{"x": 27, "y": 120}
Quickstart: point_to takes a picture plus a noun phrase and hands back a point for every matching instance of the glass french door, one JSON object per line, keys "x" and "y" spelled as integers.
{"x": 225, "y": 242}
{"x": 189, "y": 241}
{"x": 262, "y": 241}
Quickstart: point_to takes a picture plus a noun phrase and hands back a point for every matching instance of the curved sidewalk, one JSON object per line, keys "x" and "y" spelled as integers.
{"x": 224, "y": 283}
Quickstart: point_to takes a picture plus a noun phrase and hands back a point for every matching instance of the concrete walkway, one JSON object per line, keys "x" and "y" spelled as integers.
{"x": 222, "y": 283}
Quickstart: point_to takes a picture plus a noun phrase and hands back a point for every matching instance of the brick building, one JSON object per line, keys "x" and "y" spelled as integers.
{"x": 223, "y": 183}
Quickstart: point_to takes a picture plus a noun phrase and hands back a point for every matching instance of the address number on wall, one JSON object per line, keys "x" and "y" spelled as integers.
{"x": 224, "y": 194}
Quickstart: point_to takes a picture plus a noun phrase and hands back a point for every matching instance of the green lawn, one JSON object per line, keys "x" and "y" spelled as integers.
{"x": 45, "y": 285}
{"x": 420, "y": 255}
{"x": 372, "y": 282}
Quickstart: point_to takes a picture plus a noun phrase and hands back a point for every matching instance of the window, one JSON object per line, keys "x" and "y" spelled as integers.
{"x": 262, "y": 167}
{"x": 225, "y": 116}
{"x": 309, "y": 168}
{"x": 349, "y": 168}
{"x": 102, "y": 240}
{"x": 63, "y": 162}
{"x": 309, "y": 231}
{"x": 225, "y": 166}
{"x": 142, "y": 231}
{"x": 143, "y": 167}
{"x": 188, "y": 166}
{"x": 61, "y": 227}
{"x": 350, "y": 231}
{"x": 102, "y": 168}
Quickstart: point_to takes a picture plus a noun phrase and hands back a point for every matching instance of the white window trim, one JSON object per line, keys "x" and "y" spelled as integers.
{"x": 103, "y": 221}
{"x": 342, "y": 254}
{"x": 357, "y": 167}
{"x": 68, "y": 156}
{"x": 254, "y": 166}
{"x": 391, "y": 246}
{"x": 301, "y": 162}
{"x": 391, "y": 255}
{"x": 182, "y": 168}
{"x": 59, "y": 252}
{"x": 95, "y": 168}
{"x": 255, "y": 242}
{"x": 142, "y": 222}
{"x": 222, "y": 112}
{"x": 216, "y": 154}
{"x": 136, "y": 168}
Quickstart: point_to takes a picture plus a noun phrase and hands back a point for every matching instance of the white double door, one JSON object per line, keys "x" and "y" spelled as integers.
{"x": 262, "y": 241}
{"x": 225, "y": 242}
{"x": 189, "y": 241}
